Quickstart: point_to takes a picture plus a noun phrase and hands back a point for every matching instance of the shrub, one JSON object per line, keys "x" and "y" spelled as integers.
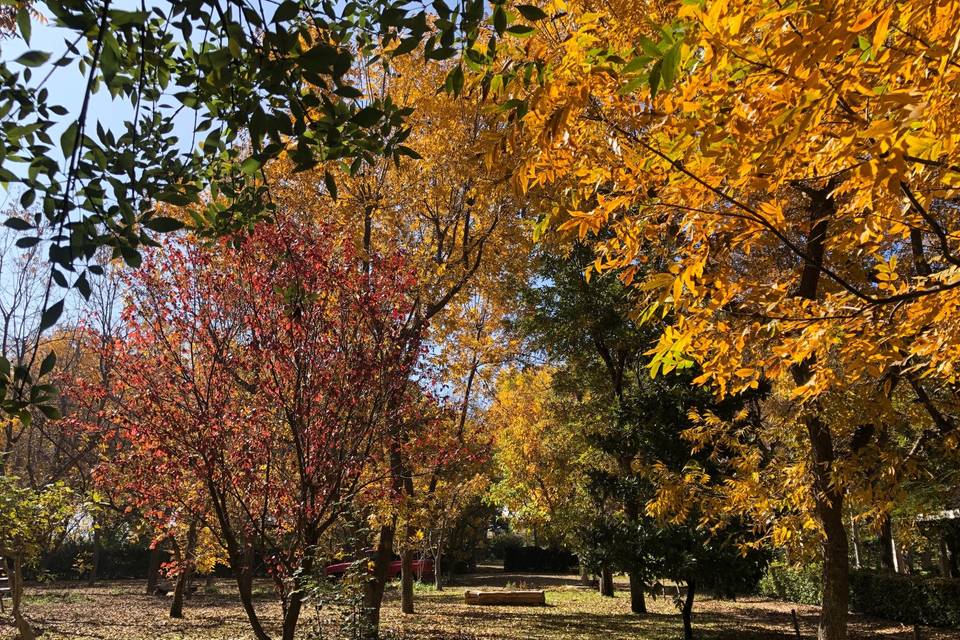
{"x": 909, "y": 599}
{"x": 117, "y": 560}
{"x": 803, "y": 584}
{"x": 502, "y": 541}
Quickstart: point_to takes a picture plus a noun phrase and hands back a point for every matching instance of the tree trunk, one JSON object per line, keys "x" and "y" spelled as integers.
{"x": 584, "y": 575}
{"x": 855, "y": 538}
{"x": 244, "y": 578}
{"x": 888, "y": 558}
{"x": 836, "y": 580}
{"x": 406, "y": 579}
{"x": 292, "y": 615}
{"x": 176, "y": 605}
{"x": 829, "y": 505}
{"x": 944, "y": 558}
{"x": 24, "y": 629}
{"x": 97, "y": 552}
{"x": 186, "y": 571}
{"x": 373, "y": 592}
{"x": 945, "y": 568}
{"x": 828, "y": 497}
{"x": 687, "y": 610}
{"x": 153, "y": 570}
{"x": 606, "y": 582}
{"x": 637, "y": 602}
{"x": 437, "y": 579}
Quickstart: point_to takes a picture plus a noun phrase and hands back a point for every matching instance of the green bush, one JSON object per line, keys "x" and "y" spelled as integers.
{"x": 907, "y": 599}
{"x": 803, "y": 584}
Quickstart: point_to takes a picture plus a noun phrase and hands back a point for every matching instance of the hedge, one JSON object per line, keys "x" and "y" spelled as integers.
{"x": 909, "y": 599}
{"x": 783, "y": 581}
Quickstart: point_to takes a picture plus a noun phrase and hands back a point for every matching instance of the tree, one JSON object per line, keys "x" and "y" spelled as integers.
{"x": 791, "y": 167}
{"x": 258, "y": 86}
{"x": 31, "y": 518}
{"x": 447, "y": 211}
{"x": 538, "y": 454}
{"x": 587, "y": 325}
{"x": 256, "y": 378}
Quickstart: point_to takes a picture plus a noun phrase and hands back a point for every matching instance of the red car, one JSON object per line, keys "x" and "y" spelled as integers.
{"x": 422, "y": 569}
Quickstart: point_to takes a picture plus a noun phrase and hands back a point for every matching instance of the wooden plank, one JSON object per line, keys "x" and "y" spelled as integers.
{"x": 514, "y": 598}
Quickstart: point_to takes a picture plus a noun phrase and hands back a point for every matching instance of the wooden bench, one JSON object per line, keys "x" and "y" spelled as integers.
{"x": 512, "y": 598}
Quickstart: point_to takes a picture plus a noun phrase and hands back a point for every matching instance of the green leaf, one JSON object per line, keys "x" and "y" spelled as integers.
{"x": 655, "y": 78}
{"x": 671, "y": 64}
{"x": 33, "y": 58}
{"x": 454, "y": 81}
{"x": 638, "y": 63}
{"x": 48, "y": 363}
{"x": 521, "y": 30}
{"x": 367, "y": 117}
{"x": 163, "y": 224}
{"x": 27, "y": 198}
{"x": 406, "y": 46}
{"x": 26, "y": 243}
{"x": 131, "y": 256}
{"x": 49, "y": 411}
{"x": 18, "y": 224}
{"x": 286, "y": 11}
{"x": 174, "y": 197}
{"x": 531, "y": 12}
{"x": 410, "y": 153}
{"x": 632, "y": 86}
{"x": 83, "y": 286}
{"x": 331, "y": 185}
{"x": 250, "y": 166}
{"x": 50, "y": 315}
{"x": 23, "y": 23}
{"x": 649, "y": 47}
{"x": 68, "y": 140}
{"x": 500, "y": 20}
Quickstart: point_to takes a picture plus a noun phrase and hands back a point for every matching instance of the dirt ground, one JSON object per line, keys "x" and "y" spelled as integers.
{"x": 120, "y": 611}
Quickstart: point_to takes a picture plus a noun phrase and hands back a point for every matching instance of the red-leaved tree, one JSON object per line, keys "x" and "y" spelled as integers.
{"x": 256, "y": 379}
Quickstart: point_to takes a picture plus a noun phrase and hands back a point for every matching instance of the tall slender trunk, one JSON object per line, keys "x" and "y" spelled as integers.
{"x": 584, "y": 575}
{"x": 97, "y": 552}
{"x": 944, "y": 557}
{"x": 828, "y": 499}
{"x": 437, "y": 574}
{"x": 183, "y": 579}
{"x": 954, "y": 552}
{"x": 153, "y": 570}
{"x": 855, "y": 538}
{"x": 637, "y": 602}
{"x": 242, "y": 565}
{"x": 176, "y": 605}
{"x": 24, "y": 628}
{"x": 687, "y": 610}
{"x": 292, "y": 615}
{"x": 606, "y": 582}
{"x": 888, "y": 559}
{"x": 373, "y": 591}
{"x": 828, "y": 496}
{"x": 406, "y": 576}
{"x": 244, "y": 579}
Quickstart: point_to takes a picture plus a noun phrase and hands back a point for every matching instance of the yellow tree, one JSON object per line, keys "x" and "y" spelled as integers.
{"x": 537, "y": 455}
{"x": 791, "y": 169}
